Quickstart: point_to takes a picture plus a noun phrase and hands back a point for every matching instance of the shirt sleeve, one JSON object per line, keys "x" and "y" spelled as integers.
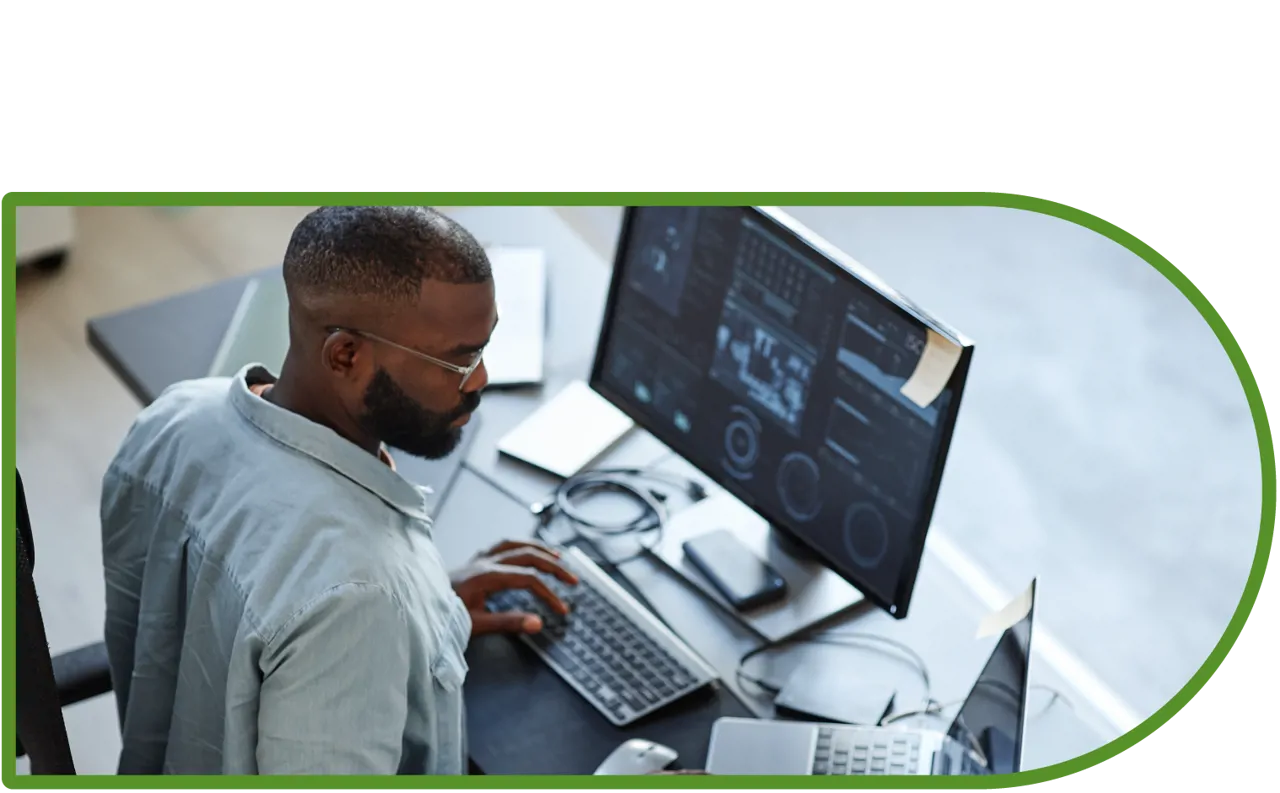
{"x": 334, "y": 695}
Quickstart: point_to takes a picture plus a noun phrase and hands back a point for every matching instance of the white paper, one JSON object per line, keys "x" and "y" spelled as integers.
{"x": 515, "y": 353}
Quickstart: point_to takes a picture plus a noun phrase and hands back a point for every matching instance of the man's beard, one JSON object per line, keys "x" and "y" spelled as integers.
{"x": 394, "y": 418}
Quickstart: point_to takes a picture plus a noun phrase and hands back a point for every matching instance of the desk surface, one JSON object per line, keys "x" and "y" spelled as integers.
{"x": 545, "y": 728}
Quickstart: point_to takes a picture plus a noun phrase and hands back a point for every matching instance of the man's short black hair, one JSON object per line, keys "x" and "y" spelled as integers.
{"x": 379, "y": 251}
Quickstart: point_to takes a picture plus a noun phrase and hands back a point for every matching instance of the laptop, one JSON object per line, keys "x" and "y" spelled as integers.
{"x": 259, "y": 329}
{"x": 985, "y": 737}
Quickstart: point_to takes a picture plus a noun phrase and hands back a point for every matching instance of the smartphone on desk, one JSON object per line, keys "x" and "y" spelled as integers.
{"x": 737, "y": 573}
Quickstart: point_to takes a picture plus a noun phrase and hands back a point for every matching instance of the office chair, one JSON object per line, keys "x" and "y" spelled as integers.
{"x": 47, "y": 684}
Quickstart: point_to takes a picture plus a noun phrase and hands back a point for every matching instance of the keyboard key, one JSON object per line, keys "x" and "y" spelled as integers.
{"x": 612, "y": 681}
{"x": 560, "y": 653}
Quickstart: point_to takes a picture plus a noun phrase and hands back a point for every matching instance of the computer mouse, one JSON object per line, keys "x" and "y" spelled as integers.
{"x": 637, "y": 756}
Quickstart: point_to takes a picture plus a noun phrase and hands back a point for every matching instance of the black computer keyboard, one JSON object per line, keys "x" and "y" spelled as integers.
{"x": 610, "y": 649}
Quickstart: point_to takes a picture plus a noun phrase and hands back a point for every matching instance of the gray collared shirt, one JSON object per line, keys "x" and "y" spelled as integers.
{"x": 275, "y": 604}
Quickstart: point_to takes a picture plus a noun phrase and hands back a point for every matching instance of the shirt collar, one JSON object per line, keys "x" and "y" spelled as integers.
{"x": 324, "y": 445}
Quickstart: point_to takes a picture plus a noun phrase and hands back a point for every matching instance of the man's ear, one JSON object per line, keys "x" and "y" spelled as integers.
{"x": 343, "y": 354}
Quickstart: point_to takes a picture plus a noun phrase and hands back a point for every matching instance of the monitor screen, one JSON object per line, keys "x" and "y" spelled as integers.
{"x": 990, "y": 723}
{"x": 753, "y": 350}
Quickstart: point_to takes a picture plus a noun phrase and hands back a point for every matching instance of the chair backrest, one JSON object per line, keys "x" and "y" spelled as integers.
{"x": 42, "y": 733}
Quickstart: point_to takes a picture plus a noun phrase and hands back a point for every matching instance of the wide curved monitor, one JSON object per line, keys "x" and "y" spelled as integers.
{"x": 791, "y": 376}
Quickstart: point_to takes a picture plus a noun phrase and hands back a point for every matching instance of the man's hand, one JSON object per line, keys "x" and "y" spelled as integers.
{"x": 509, "y": 565}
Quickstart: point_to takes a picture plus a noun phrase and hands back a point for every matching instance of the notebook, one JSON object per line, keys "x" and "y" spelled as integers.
{"x": 568, "y": 432}
{"x": 259, "y": 328}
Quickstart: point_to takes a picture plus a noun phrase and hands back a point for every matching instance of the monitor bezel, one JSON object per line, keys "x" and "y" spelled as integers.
{"x": 897, "y": 605}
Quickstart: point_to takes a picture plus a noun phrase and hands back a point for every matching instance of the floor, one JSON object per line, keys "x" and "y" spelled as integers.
{"x": 1104, "y": 445}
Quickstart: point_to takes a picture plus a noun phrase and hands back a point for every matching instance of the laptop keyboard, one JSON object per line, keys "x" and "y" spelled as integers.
{"x": 842, "y": 752}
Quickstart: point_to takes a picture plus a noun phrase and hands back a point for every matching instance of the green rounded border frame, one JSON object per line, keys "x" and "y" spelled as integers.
{"x": 1006, "y": 200}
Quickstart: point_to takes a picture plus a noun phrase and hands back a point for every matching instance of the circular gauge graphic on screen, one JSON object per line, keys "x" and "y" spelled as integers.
{"x": 798, "y": 486}
{"x": 741, "y": 442}
{"x": 866, "y": 535}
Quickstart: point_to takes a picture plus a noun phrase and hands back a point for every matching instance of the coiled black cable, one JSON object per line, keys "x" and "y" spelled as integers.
{"x": 565, "y": 501}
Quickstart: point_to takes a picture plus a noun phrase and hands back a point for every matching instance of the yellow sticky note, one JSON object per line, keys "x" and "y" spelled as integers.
{"x": 933, "y": 371}
{"x": 1007, "y": 617}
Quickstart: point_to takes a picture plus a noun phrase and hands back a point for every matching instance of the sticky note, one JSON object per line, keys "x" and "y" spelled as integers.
{"x": 932, "y": 371}
{"x": 1007, "y": 617}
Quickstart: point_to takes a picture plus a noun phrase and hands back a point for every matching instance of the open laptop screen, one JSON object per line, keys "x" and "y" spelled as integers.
{"x": 993, "y": 716}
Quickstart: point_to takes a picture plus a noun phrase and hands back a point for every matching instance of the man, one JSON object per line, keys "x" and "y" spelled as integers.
{"x": 274, "y": 600}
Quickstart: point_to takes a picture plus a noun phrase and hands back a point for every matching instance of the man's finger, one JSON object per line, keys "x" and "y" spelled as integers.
{"x": 512, "y": 545}
{"x": 537, "y": 560}
{"x": 499, "y": 581}
{"x": 505, "y": 622}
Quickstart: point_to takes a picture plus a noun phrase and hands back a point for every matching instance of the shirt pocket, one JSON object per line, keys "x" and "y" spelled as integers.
{"x": 449, "y": 671}
{"x": 450, "y": 667}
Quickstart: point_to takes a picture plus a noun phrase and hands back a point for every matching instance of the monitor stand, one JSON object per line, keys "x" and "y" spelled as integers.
{"x": 815, "y": 594}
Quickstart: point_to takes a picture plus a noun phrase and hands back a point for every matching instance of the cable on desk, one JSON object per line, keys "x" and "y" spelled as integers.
{"x": 565, "y": 502}
{"x": 565, "y": 498}
{"x": 833, "y": 638}
{"x": 935, "y": 708}
{"x": 1054, "y": 696}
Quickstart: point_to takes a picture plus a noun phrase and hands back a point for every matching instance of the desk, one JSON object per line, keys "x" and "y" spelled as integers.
{"x": 511, "y": 698}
